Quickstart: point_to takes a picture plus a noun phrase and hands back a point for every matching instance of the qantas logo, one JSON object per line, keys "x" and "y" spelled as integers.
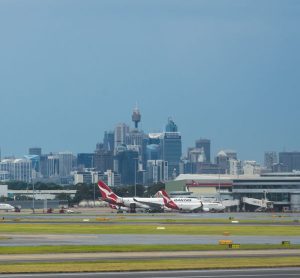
{"x": 167, "y": 201}
{"x": 107, "y": 194}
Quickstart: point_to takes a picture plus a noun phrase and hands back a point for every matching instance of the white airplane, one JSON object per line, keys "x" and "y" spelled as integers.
{"x": 185, "y": 204}
{"x": 214, "y": 206}
{"x": 6, "y": 207}
{"x": 149, "y": 204}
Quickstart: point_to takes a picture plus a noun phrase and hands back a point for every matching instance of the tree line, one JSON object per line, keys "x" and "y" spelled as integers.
{"x": 86, "y": 191}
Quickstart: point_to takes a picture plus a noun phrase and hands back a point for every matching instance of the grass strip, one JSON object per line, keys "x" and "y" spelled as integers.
{"x": 178, "y": 229}
{"x": 133, "y": 248}
{"x": 136, "y": 265}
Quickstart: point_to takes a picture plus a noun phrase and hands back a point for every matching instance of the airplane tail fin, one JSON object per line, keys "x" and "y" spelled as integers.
{"x": 107, "y": 194}
{"x": 167, "y": 200}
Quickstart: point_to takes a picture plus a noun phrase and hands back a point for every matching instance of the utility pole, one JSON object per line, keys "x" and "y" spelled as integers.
{"x": 32, "y": 195}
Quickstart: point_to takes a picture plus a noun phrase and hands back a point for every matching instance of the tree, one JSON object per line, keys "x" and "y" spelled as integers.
{"x": 154, "y": 188}
{"x": 86, "y": 192}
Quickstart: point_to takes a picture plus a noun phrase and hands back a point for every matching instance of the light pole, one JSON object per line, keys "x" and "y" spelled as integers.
{"x": 135, "y": 166}
{"x": 32, "y": 195}
{"x": 219, "y": 186}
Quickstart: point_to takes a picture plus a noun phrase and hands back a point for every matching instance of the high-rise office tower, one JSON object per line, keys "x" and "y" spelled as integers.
{"x": 171, "y": 126}
{"x": 172, "y": 148}
{"x": 35, "y": 151}
{"x": 157, "y": 171}
{"x": 127, "y": 165}
{"x": 270, "y": 159}
{"x": 222, "y": 161}
{"x": 52, "y": 166}
{"x": 121, "y": 131}
{"x": 103, "y": 160}
{"x": 65, "y": 163}
{"x": 85, "y": 160}
{"x": 290, "y": 159}
{"x": 109, "y": 141}
{"x": 205, "y": 144}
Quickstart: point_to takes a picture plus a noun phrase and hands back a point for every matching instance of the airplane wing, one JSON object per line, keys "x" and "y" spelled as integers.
{"x": 149, "y": 203}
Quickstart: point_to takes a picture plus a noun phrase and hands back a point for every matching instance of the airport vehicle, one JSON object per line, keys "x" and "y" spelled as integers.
{"x": 185, "y": 204}
{"x": 148, "y": 204}
{"x": 6, "y": 207}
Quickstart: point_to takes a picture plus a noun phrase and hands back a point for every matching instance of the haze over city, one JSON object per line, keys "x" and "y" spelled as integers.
{"x": 223, "y": 70}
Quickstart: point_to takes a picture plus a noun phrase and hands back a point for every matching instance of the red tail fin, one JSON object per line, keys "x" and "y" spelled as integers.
{"x": 107, "y": 194}
{"x": 167, "y": 200}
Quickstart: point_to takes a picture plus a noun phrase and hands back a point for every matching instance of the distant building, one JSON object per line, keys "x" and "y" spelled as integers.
{"x": 52, "y": 166}
{"x": 231, "y": 154}
{"x": 86, "y": 176}
{"x": 291, "y": 160}
{"x": 103, "y": 160}
{"x": 222, "y": 160}
{"x": 65, "y": 163}
{"x": 251, "y": 167}
{"x": 111, "y": 178}
{"x": 121, "y": 131}
{"x": 85, "y": 160}
{"x": 127, "y": 162}
{"x": 205, "y": 145}
{"x": 157, "y": 171}
{"x": 270, "y": 159}
{"x": 35, "y": 151}
{"x": 17, "y": 169}
{"x": 109, "y": 141}
{"x": 171, "y": 126}
{"x": 172, "y": 151}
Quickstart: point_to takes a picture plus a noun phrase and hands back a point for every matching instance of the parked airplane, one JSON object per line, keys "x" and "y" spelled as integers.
{"x": 149, "y": 204}
{"x": 214, "y": 206}
{"x": 186, "y": 204}
{"x": 6, "y": 207}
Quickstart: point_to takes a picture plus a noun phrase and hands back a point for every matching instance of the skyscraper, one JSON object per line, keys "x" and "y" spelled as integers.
{"x": 109, "y": 141}
{"x": 290, "y": 159}
{"x": 121, "y": 131}
{"x": 205, "y": 144}
{"x": 172, "y": 148}
{"x": 85, "y": 160}
{"x": 65, "y": 163}
{"x": 270, "y": 159}
{"x": 171, "y": 126}
{"x": 127, "y": 165}
{"x": 35, "y": 151}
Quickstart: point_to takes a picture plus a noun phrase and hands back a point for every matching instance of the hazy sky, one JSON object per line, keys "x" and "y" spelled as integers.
{"x": 225, "y": 70}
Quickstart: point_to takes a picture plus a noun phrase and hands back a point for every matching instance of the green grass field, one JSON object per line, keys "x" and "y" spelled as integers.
{"x": 133, "y": 248}
{"x": 178, "y": 229}
{"x": 135, "y": 265}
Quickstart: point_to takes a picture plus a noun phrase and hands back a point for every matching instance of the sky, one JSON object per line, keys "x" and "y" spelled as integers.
{"x": 225, "y": 70}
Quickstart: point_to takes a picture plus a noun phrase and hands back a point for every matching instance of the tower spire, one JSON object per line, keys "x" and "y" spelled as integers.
{"x": 136, "y": 116}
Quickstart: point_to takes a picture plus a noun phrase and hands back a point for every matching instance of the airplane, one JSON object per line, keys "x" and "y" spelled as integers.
{"x": 148, "y": 204}
{"x": 6, "y": 207}
{"x": 185, "y": 204}
{"x": 214, "y": 206}
{"x": 119, "y": 209}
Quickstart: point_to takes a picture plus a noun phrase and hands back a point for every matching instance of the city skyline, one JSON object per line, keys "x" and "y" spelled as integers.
{"x": 225, "y": 71}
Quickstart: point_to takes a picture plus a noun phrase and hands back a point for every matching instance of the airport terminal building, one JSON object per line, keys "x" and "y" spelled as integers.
{"x": 283, "y": 189}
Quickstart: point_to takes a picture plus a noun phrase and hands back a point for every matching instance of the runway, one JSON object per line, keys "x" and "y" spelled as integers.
{"x": 239, "y": 273}
{"x": 128, "y": 239}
